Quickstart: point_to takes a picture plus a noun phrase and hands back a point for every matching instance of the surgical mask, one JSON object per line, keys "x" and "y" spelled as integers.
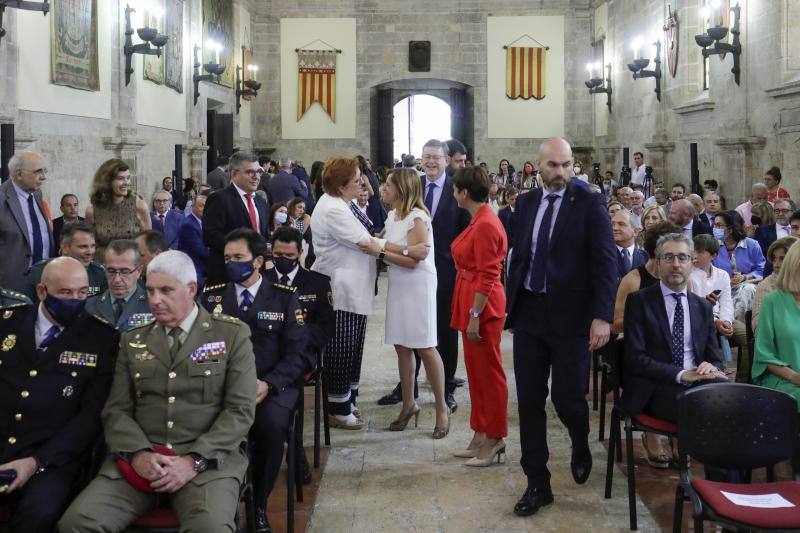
{"x": 281, "y": 217}
{"x": 239, "y": 271}
{"x": 719, "y": 234}
{"x": 64, "y": 310}
{"x": 284, "y": 264}
{"x": 576, "y": 170}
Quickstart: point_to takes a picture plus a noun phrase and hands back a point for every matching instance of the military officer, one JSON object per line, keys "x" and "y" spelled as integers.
{"x": 56, "y": 365}
{"x": 125, "y": 303}
{"x": 278, "y": 334}
{"x": 78, "y": 242}
{"x": 180, "y": 407}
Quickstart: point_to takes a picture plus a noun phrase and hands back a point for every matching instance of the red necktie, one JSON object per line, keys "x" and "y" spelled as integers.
{"x": 161, "y": 218}
{"x": 251, "y": 209}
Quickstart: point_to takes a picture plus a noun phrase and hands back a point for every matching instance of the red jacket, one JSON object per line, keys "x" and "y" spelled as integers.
{"x": 478, "y": 254}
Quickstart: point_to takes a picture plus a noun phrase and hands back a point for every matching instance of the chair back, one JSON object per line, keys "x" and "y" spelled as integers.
{"x": 736, "y": 426}
{"x": 613, "y": 354}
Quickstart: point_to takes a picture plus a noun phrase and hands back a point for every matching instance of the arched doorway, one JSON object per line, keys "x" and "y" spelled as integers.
{"x": 417, "y": 118}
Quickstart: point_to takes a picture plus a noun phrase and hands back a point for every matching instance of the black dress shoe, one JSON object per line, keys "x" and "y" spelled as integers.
{"x": 450, "y": 400}
{"x": 532, "y": 501}
{"x": 396, "y": 396}
{"x": 581, "y": 465}
{"x": 459, "y": 381}
{"x": 262, "y": 526}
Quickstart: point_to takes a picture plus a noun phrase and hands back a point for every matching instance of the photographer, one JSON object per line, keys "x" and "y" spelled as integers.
{"x": 637, "y": 173}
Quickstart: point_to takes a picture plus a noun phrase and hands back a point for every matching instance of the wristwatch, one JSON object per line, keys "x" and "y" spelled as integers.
{"x": 382, "y": 255}
{"x": 200, "y": 463}
{"x": 405, "y": 252}
{"x": 474, "y": 313}
{"x": 40, "y": 467}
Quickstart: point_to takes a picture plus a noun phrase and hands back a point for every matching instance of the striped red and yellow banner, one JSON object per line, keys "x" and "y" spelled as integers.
{"x": 316, "y": 81}
{"x": 525, "y": 72}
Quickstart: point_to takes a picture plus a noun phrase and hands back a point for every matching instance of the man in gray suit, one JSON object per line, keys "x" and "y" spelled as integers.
{"x": 25, "y": 234}
{"x": 219, "y": 178}
{"x": 284, "y": 186}
{"x": 124, "y": 305}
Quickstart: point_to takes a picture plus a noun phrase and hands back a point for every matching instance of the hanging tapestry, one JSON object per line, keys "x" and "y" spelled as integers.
{"x": 73, "y": 49}
{"x": 316, "y": 81}
{"x": 525, "y": 72}
{"x": 173, "y": 51}
{"x": 153, "y": 66}
{"x": 218, "y": 26}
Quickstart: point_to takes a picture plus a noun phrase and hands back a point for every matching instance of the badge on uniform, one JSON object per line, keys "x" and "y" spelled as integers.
{"x": 93, "y": 290}
{"x": 298, "y": 316}
{"x": 144, "y": 356}
{"x": 139, "y": 319}
{"x": 9, "y": 342}
{"x": 77, "y": 358}
{"x": 269, "y": 315}
{"x": 210, "y": 352}
{"x": 217, "y": 309}
{"x": 8, "y": 314}
{"x": 307, "y": 298}
{"x": 67, "y": 392}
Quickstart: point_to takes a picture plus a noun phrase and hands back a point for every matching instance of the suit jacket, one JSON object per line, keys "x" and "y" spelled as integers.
{"x": 211, "y": 386}
{"x": 58, "y": 226}
{"x": 302, "y": 176}
{"x": 284, "y": 187}
{"x": 701, "y": 228}
{"x": 708, "y": 218}
{"x": 135, "y": 312}
{"x": 218, "y": 179}
{"x": 172, "y": 224}
{"x": 648, "y": 355}
{"x": 639, "y": 259}
{"x": 766, "y": 235}
{"x": 581, "y": 265}
{"x": 190, "y": 241}
{"x": 57, "y": 393}
{"x": 448, "y": 222}
{"x": 14, "y": 237}
{"x": 505, "y": 218}
{"x": 224, "y": 212}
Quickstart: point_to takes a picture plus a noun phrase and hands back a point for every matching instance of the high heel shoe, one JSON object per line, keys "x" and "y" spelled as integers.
{"x": 442, "y": 432}
{"x": 498, "y": 451}
{"x": 469, "y": 453}
{"x": 402, "y": 421}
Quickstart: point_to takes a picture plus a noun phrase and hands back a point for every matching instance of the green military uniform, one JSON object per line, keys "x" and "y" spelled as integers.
{"x": 201, "y": 400}
{"x": 97, "y": 278}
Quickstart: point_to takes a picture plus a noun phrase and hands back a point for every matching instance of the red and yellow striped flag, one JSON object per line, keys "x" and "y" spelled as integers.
{"x": 316, "y": 81}
{"x": 525, "y": 72}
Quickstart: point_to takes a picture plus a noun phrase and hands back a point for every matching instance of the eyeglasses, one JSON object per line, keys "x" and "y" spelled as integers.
{"x": 114, "y": 272}
{"x": 795, "y": 227}
{"x": 785, "y": 211}
{"x": 670, "y": 258}
{"x": 249, "y": 173}
{"x": 432, "y": 157}
{"x": 37, "y": 172}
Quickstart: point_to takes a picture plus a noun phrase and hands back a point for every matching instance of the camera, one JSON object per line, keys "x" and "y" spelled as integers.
{"x": 625, "y": 176}
{"x": 597, "y": 179}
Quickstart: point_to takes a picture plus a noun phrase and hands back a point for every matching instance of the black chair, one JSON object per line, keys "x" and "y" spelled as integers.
{"x": 315, "y": 379}
{"x": 735, "y": 426}
{"x": 292, "y": 483}
{"x": 609, "y": 355}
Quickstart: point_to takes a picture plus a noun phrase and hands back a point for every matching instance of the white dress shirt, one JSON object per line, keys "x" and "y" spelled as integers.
{"x": 782, "y": 231}
{"x": 631, "y": 249}
{"x": 437, "y": 191}
{"x": 43, "y": 325}
{"x": 538, "y": 222}
{"x": 687, "y": 229}
{"x": 252, "y": 289}
{"x": 688, "y": 348}
{"x": 704, "y": 284}
{"x": 637, "y": 174}
{"x": 291, "y": 275}
{"x": 242, "y": 195}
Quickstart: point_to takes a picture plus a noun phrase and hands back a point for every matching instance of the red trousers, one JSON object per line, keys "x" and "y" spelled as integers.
{"x": 488, "y": 389}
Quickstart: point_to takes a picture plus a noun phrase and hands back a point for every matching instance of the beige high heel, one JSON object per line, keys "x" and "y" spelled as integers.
{"x": 469, "y": 453}
{"x": 498, "y": 452}
{"x": 402, "y": 421}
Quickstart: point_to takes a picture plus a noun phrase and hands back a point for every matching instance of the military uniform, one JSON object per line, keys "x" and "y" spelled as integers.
{"x": 97, "y": 278}
{"x": 135, "y": 312}
{"x": 50, "y": 403}
{"x": 278, "y": 334}
{"x": 200, "y": 401}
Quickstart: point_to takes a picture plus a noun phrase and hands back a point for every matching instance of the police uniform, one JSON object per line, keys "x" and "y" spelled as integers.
{"x": 50, "y": 403}
{"x": 201, "y": 401}
{"x": 278, "y": 335}
{"x": 135, "y": 312}
{"x": 96, "y": 272}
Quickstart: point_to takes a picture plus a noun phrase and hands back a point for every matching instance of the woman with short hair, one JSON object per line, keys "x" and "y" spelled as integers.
{"x": 772, "y": 179}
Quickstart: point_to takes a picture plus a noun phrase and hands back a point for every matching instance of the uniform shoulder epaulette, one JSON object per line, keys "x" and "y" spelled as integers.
{"x": 225, "y": 318}
{"x": 102, "y": 320}
{"x": 18, "y": 298}
{"x": 98, "y": 265}
{"x": 283, "y": 287}
{"x": 210, "y": 288}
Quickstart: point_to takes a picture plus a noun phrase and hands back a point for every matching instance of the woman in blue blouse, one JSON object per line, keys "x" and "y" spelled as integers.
{"x": 741, "y": 257}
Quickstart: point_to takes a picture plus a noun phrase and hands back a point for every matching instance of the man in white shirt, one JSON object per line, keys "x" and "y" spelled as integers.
{"x": 758, "y": 195}
{"x": 766, "y": 235}
{"x": 639, "y": 168}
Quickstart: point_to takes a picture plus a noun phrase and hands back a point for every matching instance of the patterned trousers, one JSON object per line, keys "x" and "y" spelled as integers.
{"x": 342, "y": 361}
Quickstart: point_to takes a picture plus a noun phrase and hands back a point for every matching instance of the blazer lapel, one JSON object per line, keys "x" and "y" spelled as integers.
{"x": 263, "y": 215}
{"x": 537, "y": 201}
{"x": 658, "y": 307}
{"x": 566, "y": 210}
{"x": 696, "y": 321}
{"x": 16, "y": 209}
{"x": 157, "y": 344}
{"x": 445, "y": 197}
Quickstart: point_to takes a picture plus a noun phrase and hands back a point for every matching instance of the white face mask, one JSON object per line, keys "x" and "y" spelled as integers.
{"x": 280, "y": 217}
{"x": 576, "y": 170}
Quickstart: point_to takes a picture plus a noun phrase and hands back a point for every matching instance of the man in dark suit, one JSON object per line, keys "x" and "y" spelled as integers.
{"x": 671, "y": 340}
{"x": 219, "y": 178}
{"x": 69, "y": 210}
{"x": 766, "y": 235}
{"x": 505, "y": 213}
{"x": 561, "y": 289}
{"x": 278, "y": 334}
{"x": 233, "y": 207}
{"x": 24, "y": 228}
{"x": 165, "y": 219}
{"x": 682, "y": 214}
{"x": 713, "y": 206}
{"x": 284, "y": 186}
{"x": 299, "y": 171}
{"x": 630, "y": 257}
{"x": 190, "y": 239}
{"x": 58, "y": 362}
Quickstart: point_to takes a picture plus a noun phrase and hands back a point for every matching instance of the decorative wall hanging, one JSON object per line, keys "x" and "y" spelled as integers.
{"x": 526, "y": 69}
{"x": 73, "y": 53}
{"x": 153, "y": 65}
{"x": 218, "y": 27}
{"x": 173, "y": 52}
{"x": 671, "y": 29}
{"x": 316, "y": 79}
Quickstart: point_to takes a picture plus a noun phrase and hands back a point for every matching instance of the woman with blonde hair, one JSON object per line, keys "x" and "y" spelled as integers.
{"x": 652, "y": 216}
{"x": 411, "y": 299}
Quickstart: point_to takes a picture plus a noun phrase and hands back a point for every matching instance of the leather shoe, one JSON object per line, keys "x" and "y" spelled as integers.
{"x": 450, "y": 400}
{"x": 581, "y": 465}
{"x": 532, "y": 501}
{"x": 396, "y": 396}
{"x": 459, "y": 381}
{"x": 262, "y": 525}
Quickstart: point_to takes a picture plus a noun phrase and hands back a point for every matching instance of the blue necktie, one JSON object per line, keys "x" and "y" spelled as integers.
{"x": 38, "y": 246}
{"x": 49, "y": 337}
{"x": 539, "y": 266}
{"x": 429, "y": 197}
{"x": 626, "y": 260}
{"x": 366, "y": 222}
{"x": 677, "y": 331}
{"x": 247, "y": 301}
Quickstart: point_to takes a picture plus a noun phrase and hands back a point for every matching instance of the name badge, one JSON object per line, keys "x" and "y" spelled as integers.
{"x": 307, "y": 298}
{"x": 270, "y": 315}
{"x": 209, "y": 353}
{"x": 77, "y": 358}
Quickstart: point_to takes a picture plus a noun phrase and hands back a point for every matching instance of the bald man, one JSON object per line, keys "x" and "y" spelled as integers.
{"x": 561, "y": 288}
{"x": 57, "y": 363}
{"x": 683, "y": 215}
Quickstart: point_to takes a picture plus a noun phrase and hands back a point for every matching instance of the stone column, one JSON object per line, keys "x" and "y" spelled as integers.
{"x": 196, "y": 154}
{"x": 740, "y": 163}
{"x": 657, "y": 157}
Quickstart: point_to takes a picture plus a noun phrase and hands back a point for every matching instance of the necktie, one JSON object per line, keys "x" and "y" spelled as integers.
{"x": 366, "y": 222}
{"x": 626, "y": 260}
{"x": 247, "y": 301}
{"x": 284, "y": 280}
{"x": 677, "y": 331}
{"x": 119, "y": 304}
{"x": 161, "y": 219}
{"x": 787, "y": 229}
{"x": 175, "y": 342}
{"x": 49, "y": 337}
{"x": 539, "y": 266}
{"x": 251, "y": 210}
{"x": 38, "y": 245}
{"x": 429, "y": 197}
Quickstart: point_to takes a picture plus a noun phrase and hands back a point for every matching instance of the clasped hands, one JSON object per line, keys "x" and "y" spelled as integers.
{"x": 705, "y": 371}
{"x": 166, "y": 473}
{"x": 418, "y": 251}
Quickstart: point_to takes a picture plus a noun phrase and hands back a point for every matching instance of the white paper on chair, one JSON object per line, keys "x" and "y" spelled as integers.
{"x": 762, "y": 501}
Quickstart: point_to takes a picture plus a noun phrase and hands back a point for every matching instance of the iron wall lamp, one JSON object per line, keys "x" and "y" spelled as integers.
{"x": 44, "y": 7}
{"x": 247, "y": 87}
{"x": 595, "y": 84}
{"x": 715, "y": 34}
{"x": 214, "y": 69}
{"x": 148, "y": 35}
{"x": 639, "y": 65}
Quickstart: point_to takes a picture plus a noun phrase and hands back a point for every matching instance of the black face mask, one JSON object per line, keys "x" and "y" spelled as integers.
{"x": 64, "y": 310}
{"x": 284, "y": 265}
{"x": 239, "y": 271}
{"x": 755, "y": 220}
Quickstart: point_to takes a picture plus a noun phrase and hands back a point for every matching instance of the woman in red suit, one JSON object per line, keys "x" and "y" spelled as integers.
{"x": 479, "y": 312}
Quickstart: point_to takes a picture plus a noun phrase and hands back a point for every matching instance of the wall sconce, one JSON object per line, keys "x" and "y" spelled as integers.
{"x": 44, "y": 7}
{"x": 716, "y": 33}
{"x": 595, "y": 84}
{"x": 247, "y": 87}
{"x": 214, "y": 69}
{"x": 146, "y": 34}
{"x": 639, "y": 65}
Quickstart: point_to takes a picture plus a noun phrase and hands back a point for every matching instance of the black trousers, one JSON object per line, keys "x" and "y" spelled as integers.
{"x": 269, "y": 433}
{"x": 448, "y": 340}
{"x": 38, "y": 505}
